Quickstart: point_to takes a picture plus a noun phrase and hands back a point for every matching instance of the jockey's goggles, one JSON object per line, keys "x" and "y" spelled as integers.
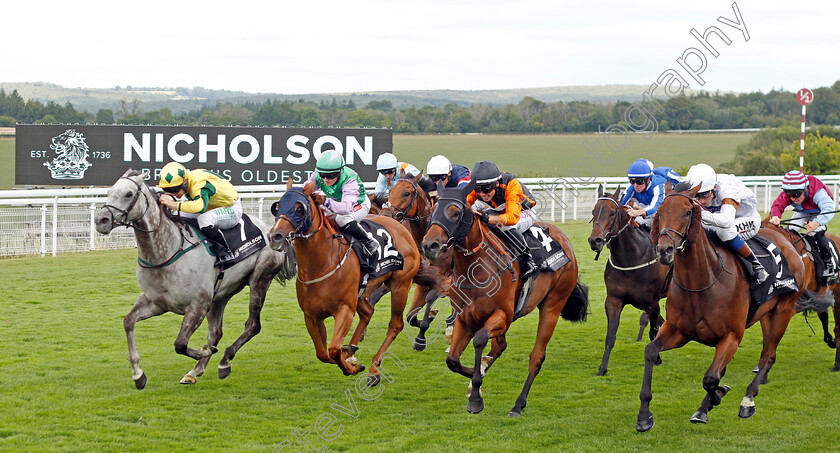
{"x": 794, "y": 193}
{"x": 437, "y": 178}
{"x": 485, "y": 189}
{"x": 330, "y": 175}
{"x": 638, "y": 180}
{"x": 388, "y": 171}
{"x": 173, "y": 189}
{"x": 703, "y": 194}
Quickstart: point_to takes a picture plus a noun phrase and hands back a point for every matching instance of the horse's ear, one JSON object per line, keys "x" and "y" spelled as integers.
{"x": 600, "y": 190}
{"x": 417, "y": 177}
{"x": 669, "y": 188}
{"x": 275, "y": 207}
{"x": 308, "y": 188}
{"x": 402, "y": 173}
{"x": 617, "y": 192}
{"x": 693, "y": 191}
{"x": 125, "y": 175}
{"x": 289, "y": 184}
{"x": 468, "y": 188}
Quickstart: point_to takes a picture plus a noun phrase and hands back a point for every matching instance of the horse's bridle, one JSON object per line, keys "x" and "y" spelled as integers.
{"x": 400, "y": 214}
{"x": 608, "y": 234}
{"x": 130, "y": 223}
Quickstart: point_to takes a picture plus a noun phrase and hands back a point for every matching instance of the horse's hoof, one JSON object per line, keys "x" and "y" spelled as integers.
{"x": 140, "y": 382}
{"x": 475, "y": 407}
{"x": 361, "y": 368}
{"x": 830, "y": 342}
{"x": 755, "y": 370}
{"x": 446, "y": 350}
{"x": 699, "y": 417}
{"x": 514, "y": 414}
{"x": 644, "y": 425}
{"x": 746, "y": 411}
{"x": 188, "y": 379}
{"x": 601, "y": 373}
{"x": 836, "y": 367}
{"x": 373, "y": 380}
{"x": 351, "y": 348}
{"x": 658, "y": 361}
{"x": 224, "y": 372}
{"x": 418, "y": 345}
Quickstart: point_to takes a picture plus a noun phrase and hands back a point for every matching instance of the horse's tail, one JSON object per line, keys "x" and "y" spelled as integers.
{"x": 810, "y": 300}
{"x": 430, "y": 276}
{"x": 289, "y": 268}
{"x": 577, "y": 305}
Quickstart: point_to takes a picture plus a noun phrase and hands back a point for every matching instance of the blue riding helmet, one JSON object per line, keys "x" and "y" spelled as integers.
{"x": 641, "y": 168}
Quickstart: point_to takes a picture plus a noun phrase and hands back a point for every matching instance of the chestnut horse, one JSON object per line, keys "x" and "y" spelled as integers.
{"x": 486, "y": 282}
{"x": 329, "y": 277}
{"x": 811, "y": 284}
{"x": 408, "y": 203}
{"x": 709, "y": 302}
{"x": 633, "y": 275}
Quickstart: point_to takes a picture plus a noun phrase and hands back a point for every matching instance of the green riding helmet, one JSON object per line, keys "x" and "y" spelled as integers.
{"x": 329, "y": 161}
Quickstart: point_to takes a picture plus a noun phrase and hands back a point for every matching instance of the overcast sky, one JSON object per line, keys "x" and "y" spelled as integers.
{"x": 297, "y": 47}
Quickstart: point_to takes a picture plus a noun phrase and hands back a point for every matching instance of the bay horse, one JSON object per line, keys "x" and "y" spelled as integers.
{"x": 798, "y": 241}
{"x": 176, "y": 274}
{"x": 633, "y": 274}
{"x": 486, "y": 281}
{"x": 709, "y": 302}
{"x": 329, "y": 274}
{"x": 408, "y": 203}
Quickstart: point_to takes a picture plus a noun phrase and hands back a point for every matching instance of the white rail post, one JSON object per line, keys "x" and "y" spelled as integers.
{"x": 43, "y": 230}
{"x": 55, "y": 226}
{"x": 565, "y": 205}
{"x": 575, "y": 207}
{"x": 92, "y": 230}
{"x": 260, "y": 207}
{"x": 767, "y": 196}
{"x": 553, "y": 203}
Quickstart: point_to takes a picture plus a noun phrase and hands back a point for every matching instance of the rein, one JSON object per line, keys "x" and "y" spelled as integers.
{"x": 609, "y": 235}
{"x": 130, "y": 223}
{"x": 402, "y": 213}
{"x": 684, "y": 243}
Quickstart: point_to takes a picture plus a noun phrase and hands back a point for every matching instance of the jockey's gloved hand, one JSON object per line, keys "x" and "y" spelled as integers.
{"x": 484, "y": 216}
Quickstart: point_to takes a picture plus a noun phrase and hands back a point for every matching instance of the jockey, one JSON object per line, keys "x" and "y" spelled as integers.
{"x": 729, "y": 209}
{"x": 344, "y": 196}
{"x": 813, "y": 208}
{"x": 647, "y": 188}
{"x": 499, "y": 199}
{"x": 212, "y": 200}
{"x": 440, "y": 169}
{"x": 389, "y": 173}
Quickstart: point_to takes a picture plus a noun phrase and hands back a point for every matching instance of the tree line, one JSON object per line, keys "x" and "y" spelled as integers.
{"x": 699, "y": 111}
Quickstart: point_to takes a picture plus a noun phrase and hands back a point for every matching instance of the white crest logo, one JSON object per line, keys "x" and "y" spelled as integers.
{"x": 71, "y": 156}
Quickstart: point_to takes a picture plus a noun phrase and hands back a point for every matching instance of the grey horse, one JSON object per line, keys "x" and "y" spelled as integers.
{"x": 177, "y": 274}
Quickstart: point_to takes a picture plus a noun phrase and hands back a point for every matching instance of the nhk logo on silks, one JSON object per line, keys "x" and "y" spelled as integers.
{"x": 71, "y": 152}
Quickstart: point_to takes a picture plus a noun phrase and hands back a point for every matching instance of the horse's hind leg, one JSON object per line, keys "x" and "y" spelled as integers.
{"x": 143, "y": 309}
{"x": 724, "y": 352}
{"x": 613, "y": 307}
{"x": 827, "y": 338}
{"x": 778, "y": 322}
{"x": 399, "y": 296}
{"x": 667, "y": 338}
{"x": 214, "y": 334}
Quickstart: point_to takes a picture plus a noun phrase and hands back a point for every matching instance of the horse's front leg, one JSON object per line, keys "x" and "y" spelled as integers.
{"x": 836, "y": 331}
{"x": 192, "y": 319}
{"x": 214, "y": 334}
{"x": 778, "y": 321}
{"x": 461, "y": 336}
{"x": 365, "y": 311}
{"x": 612, "y": 306}
{"x": 724, "y": 352}
{"x": 494, "y": 326}
{"x": 827, "y": 338}
{"x": 318, "y": 333}
{"x": 143, "y": 309}
{"x": 667, "y": 338}
{"x": 653, "y": 311}
{"x": 644, "y": 320}
{"x": 342, "y": 355}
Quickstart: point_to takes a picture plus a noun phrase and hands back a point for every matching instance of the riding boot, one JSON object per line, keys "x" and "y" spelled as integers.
{"x": 214, "y": 234}
{"x": 758, "y": 272}
{"x": 370, "y": 245}
{"x": 517, "y": 242}
{"x": 830, "y": 272}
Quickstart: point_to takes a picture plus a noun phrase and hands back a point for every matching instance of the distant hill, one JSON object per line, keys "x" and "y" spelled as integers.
{"x": 181, "y": 100}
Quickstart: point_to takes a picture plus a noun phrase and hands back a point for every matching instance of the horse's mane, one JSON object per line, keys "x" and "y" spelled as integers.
{"x": 694, "y": 229}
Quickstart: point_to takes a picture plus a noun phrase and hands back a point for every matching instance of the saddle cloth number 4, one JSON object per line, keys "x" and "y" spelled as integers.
{"x": 540, "y": 235}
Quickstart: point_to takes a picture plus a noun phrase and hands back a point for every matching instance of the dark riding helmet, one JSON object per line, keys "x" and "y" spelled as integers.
{"x": 485, "y": 173}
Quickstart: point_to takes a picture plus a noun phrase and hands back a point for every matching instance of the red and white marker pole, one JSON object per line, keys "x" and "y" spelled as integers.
{"x": 803, "y": 97}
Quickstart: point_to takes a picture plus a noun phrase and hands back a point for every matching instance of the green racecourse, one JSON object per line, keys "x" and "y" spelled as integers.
{"x": 534, "y": 155}
{"x": 65, "y": 383}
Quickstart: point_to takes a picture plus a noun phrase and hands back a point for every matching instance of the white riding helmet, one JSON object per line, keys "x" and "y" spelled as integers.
{"x": 703, "y": 175}
{"x": 386, "y": 161}
{"x": 438, "y": 165}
